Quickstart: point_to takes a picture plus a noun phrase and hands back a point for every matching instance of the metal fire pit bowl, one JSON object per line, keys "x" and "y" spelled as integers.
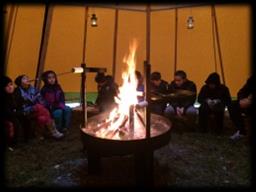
{"x": 160, "y": 136}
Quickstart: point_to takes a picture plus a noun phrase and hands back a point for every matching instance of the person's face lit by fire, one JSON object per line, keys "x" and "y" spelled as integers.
{"x": 156, "y": 82}
{"x": 178, "y": 80}
{"x": 9, "y": 89}
{"x": 25, "y": 83}
{"x": 51, "y": 79}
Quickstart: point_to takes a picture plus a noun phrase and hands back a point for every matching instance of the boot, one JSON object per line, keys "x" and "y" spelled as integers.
{"x": 53, "y": 131}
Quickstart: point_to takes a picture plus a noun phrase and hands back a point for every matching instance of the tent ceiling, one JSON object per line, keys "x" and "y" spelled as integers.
{"x": 143, "y": 7}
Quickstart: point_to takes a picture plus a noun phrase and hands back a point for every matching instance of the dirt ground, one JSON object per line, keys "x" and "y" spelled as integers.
{"x": 191, "y": 159}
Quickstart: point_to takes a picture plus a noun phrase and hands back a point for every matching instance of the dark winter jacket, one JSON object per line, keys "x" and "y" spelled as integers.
{"x": 221, "y": 92}
{"x": 54, "y": 97}
{"x": 27, "y": 98}
{"x": 10, "y": 109}
{"x": 162, "y": 88}
{"x": 247, "y": 89}
{"x": 187, "y": 85}
{"x": 106, "y": 95}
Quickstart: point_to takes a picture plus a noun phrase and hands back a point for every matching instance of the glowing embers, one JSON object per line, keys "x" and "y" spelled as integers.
{"x": 99, "y": 126}
{"x": 120, "y": 128}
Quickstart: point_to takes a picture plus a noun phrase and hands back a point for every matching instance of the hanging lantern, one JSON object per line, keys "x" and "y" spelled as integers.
{"x": 94, "y": 20}
{"x": 190, "y": 22}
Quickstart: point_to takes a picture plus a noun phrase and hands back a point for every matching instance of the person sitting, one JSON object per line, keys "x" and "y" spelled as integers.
{"x": 140, "y": 86}
{"x": 55, "y": 101}
{"x": 182, "y": 107}
{"x": 213, "y": 98}
{"x": 158, "y": 87}
{"x": 31, "y": 103}
{"x": 10, "y": 112}
{"x": 243, "y": 105}
{"x": 107, "y": 91}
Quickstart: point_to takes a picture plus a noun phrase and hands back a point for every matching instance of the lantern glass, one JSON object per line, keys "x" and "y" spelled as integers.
{"x": 94, "y": 21}
{"x": 190, "y": 22}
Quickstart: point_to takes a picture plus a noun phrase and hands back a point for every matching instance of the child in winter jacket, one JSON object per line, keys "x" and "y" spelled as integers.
{"x": 31, "y": 103}
{"x": 55, "y": 101}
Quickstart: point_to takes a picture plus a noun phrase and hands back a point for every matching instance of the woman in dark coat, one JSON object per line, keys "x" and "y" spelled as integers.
{"x": 213, "y": 97}
{"x": 10, "y": 113}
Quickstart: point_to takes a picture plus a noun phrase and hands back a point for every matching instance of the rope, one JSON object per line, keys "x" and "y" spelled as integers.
{"x": 85, "y": 33}
{"x": 176, "y": 40}
{"x": 218, "y": 44}
{"x": 213, "y": 38}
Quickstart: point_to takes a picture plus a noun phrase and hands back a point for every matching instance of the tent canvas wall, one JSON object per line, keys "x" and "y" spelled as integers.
{"x": 195, "y": 53}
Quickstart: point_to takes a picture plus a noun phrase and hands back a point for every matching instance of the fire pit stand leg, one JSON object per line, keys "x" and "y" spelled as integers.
{"x": 94, "y": 163}
{"x": 144, "y": 173}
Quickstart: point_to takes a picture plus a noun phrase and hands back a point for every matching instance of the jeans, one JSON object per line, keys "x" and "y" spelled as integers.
{"x": 157, "y": 108}
{"x": 170, "y": 111}
{"x": 62, "y": 118}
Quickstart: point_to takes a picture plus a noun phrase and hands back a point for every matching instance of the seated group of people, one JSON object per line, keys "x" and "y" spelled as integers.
{"x": 213, "y": 98}
{"x": 46, "y": 107}
{"x": 25, "y": 103}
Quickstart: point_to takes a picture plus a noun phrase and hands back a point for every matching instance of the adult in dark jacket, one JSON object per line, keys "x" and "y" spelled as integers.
{"x": 182, "y": 106}
{"x": 213, "y": 97}
{"x": 55, "y": 101}
{"x": 158, "y": 86}
{"x": 107, "y": 90}
{"x": 243, "y": 105}
{"x": 10, "y": 112}
{"x": 140, "y": 86}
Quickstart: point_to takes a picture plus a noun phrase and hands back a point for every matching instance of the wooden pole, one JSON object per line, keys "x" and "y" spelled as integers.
{"x": 218, "y": 44}
{"x": 213, "y": 38}
{"x": 83, "y": 95}
{"x": 85, "y": 33}
{"x": 148, "y": 18}
{"x": 175, "y": 39}
{"x": 83, "y": 99}
{"x": 147, "y": 71}
{"x": 44, "y": 43}
{"x": 115, "y": 43}
{"x": 9, "y": 34}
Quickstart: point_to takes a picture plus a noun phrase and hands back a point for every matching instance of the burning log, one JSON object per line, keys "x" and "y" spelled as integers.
{"x": 140, "y": 117}
{"x": 131, "y": 119}
{"x": 123, "y": 122}
{"x": 111, "y": 133}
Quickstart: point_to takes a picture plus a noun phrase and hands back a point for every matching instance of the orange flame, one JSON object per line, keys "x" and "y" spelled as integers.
{"x": 127, "y": 95}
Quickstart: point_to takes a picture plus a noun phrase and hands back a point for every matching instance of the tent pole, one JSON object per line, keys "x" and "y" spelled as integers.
{"x": 85, "y": 33}
{"x": 175, "y": 40}
{"x": 9, "y": 34}
{"x": 83, "y": 76}
{"x": 213, "y": 38}
{"x": 148, "y": 34}
{"x": 115, "y": 43}
{"x": 44, "y": 43}
{"x": 218, "y": 44}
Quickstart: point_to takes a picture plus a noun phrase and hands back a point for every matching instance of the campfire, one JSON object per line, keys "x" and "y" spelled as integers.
{"x": 127, "y": 118}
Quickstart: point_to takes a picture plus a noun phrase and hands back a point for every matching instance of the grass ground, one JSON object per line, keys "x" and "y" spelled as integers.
{"x": 191, "y": 159}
